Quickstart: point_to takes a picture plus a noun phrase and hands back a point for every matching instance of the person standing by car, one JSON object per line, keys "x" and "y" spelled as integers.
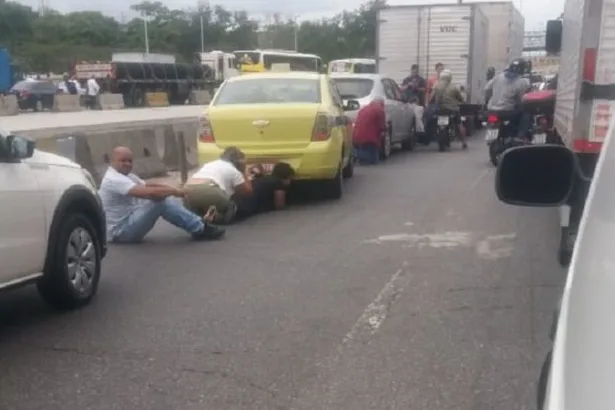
{"x": 448, "y": 98}
{"x": 432, "y": 80}
{"x": 368, "y": 132}
{"x": 414, "y": 87}
{"x": 67, "y": 85}
{"x": 92, "y": 93}
{"x": 269, "y": 191}
{"x": 132, "y": 206}
{"x": 216, "y": 183}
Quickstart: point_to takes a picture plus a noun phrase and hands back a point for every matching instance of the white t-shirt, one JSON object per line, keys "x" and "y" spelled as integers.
{"x": 116, "y": 201}
{"x": 93, "y": 87}
{"x": 223, "y": 173}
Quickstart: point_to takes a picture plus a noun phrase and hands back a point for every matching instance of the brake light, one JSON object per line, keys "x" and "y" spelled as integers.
{"x": 492, "y": 119}
{"x": 322, "y": 128}
{"x": 206, "y": 133}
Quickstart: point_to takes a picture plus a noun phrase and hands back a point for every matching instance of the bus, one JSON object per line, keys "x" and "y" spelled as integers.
{"x": 255, "y": 61}
{"x": 353, "y": 65}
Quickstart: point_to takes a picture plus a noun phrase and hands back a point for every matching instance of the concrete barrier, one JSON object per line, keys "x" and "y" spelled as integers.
{"x": 157, "y": 99}
{"x": 110, "y": 101}
{"x": 66, "y": 103}
{"x": 8, "y": 105}
{"x": 200, "y": 97}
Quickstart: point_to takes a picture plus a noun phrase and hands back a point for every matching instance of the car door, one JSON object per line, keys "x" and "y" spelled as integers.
{"x": 405, "y": 109}
{"x": 392, "y": 109}
{"x": 342, "y": 120}
{"x": 23, "y": 242}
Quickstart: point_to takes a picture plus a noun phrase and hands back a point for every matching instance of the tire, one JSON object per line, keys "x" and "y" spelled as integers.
{"x": 348, "y": 171}
{"x": 543, "y": 379}
{"x": 335, "y": 186}
{"x": 410, "y": 143}
{"x": 443, "y": 140}
{"x": 57, "y": 287}
{"x": 566, "y": 245}
{"x": 494, "y": 149}
{"x": 387, "y": 144}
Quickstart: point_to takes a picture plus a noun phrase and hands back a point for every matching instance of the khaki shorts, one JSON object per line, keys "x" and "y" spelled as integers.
{"x": 200, "y": 197}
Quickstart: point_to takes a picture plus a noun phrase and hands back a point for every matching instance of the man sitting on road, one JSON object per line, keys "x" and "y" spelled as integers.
{"x": 448, "y": 98}
{"x": 216, "y": 183}
{"x": 269, "y": 191}
{"x": 369, "y": 128}
{"x": 132, "y": 206}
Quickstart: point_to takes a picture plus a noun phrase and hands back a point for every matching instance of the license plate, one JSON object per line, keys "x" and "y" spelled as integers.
{"x": 442, "y": 120}
{"x": 463, "y": 118}
{"x": 539, "y": 139}
{"x": 491, "y": 135}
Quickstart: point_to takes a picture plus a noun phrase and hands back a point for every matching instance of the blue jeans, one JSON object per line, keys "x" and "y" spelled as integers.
{"x": 367, "y": 154}
{"x": 143, "y": 218}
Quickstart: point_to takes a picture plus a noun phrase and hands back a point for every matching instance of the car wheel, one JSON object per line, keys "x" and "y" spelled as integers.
{"x": 410, "y": 143}
{"x": 349, "y": 168}
{"x": 335, "y": 186}
{"x": 73, "y": 265}
{"x": 385, "y": 151}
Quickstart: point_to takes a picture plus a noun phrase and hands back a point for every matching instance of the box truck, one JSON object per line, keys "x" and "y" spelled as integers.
{"x": 506, "y": 33}
{"x": 454, "y": 35}
{"x": 584, "y": 39}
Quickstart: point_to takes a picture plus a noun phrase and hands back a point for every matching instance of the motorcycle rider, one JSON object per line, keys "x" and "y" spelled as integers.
{"x": 507, "y": 90}
{"x": 448, "y": 98}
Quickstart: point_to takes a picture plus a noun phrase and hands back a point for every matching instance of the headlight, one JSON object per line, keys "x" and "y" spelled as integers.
{"x": 89, "y": 177}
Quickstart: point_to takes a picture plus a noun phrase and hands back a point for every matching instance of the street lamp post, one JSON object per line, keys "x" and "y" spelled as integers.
{"x": 146, "y": 35}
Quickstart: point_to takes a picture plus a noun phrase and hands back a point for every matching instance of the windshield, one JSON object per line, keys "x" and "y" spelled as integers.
{"x": 354, "y": 87}
{"x": 360, "y": 68}
{"x": 22, "y": 86}
{"x": 246, "y": 57}
{"x": 297, "y": 63}
{"x": 270, "y": 91}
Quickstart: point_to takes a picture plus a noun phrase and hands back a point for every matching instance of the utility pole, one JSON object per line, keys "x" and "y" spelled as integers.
{"x": 146, "y": 35}
{"x": 202, "y": 36}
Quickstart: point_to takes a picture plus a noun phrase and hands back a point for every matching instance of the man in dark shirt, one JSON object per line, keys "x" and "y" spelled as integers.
{"x": 414, "y": 86}
{"x": 269, "y": 191}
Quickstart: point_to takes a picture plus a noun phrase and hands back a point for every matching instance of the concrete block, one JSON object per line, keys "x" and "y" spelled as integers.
{"x": 188, "y": 131}
{"x": 200, "y": 97}
{"x": 110, "y": 101}
{"x": 157, "y": 99}
{"x": 8, "y": 105}
{"x": 66, "y": 103}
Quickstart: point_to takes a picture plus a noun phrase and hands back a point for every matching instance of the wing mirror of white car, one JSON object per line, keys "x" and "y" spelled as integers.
{"x": 19, "y": 147}
{"x": 537, "y": 175}
{"x": 352, "y": 105}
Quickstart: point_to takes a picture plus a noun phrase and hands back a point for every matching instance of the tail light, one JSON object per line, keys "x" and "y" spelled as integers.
{"x": 322, "y": 128}
{"x": 492, "y": 119}
{"x": 206, "y": 133}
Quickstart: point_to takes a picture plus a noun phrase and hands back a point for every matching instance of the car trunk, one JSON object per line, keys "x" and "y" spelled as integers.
{"x": 257, "y": 127}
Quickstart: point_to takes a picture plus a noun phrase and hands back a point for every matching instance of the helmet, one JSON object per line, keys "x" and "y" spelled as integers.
{"x": 519, "y": 66}
{"x": 446, "y": 75}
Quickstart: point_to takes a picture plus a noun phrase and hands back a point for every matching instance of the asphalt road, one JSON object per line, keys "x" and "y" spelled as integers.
{"x": 418, "y": 290}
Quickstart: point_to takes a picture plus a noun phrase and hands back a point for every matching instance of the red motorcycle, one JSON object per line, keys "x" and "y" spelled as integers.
{"x": 541, "y": 106}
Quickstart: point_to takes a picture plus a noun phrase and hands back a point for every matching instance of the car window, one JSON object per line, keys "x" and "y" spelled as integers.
{"x": 396, "y": 90}
{"x": 388, "y": 90}
{"x": 269, "y": 91}
{"x": 353, "y": 88}
{"x": 43, "y": 87}
{"x": 360, "y": 68}
{"x": 337, "y": 99}
{"x": 22, "y": 86}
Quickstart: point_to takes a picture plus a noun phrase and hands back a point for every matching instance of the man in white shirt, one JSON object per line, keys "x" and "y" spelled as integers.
{"x": 216, "y": 183}
{"x": 92, "y": 93}
{"x": 132, "y": 206}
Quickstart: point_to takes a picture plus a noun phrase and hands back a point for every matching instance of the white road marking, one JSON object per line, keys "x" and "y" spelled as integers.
{"x": 431, "y": 240}
{"x": 376, "y": 312}
{"x": 495, "y": 246}
{"x": 408, "y": 223}
{"x": 480, "y": 177}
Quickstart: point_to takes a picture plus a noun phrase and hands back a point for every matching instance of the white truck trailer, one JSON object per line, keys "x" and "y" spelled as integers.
{"x": 454, "y": 35}
{"x": 585, "y": 102}
{"x": 506, "y": 33}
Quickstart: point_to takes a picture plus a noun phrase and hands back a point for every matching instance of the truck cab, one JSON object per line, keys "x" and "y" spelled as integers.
{"x": 223, "y": 64}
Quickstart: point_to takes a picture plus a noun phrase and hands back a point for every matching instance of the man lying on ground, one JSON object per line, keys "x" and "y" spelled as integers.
{"x": 216, "y": 184}
{"x": 132, "y": 206}
{"x": 269, "y": 191}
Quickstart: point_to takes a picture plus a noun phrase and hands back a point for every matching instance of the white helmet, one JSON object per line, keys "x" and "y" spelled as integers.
{"x": 445, "y": 75}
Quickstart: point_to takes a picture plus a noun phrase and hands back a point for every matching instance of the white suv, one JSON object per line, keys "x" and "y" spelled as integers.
{"x": 52, "y": 226}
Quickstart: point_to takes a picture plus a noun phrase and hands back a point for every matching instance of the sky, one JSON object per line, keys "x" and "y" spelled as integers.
{"x": 536, "y": 12}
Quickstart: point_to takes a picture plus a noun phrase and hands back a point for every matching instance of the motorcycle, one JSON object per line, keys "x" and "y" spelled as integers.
{"x": 541, "y": 105}
{"x": 446, "y": 131}
{"x": 501, "y": 135}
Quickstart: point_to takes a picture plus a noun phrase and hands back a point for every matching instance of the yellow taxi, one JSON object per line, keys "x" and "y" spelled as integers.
{"x": 292, "y": 117}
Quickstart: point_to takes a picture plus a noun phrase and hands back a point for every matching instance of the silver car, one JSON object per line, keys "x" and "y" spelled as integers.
{"x": 363, "y": 89}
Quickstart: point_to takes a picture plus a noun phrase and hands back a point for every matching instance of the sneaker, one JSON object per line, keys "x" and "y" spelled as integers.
{"x": 209, "y": 232}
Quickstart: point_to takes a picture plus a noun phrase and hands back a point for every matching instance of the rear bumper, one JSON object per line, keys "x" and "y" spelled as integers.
{"x": 318, "y": 160}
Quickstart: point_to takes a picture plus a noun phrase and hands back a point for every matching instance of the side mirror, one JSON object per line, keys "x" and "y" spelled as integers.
{"x": 18, "y": 147}
{"x": 553, "y": 37}
{"x": 352, "y": 105}
{"x": 538, "y": 175}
